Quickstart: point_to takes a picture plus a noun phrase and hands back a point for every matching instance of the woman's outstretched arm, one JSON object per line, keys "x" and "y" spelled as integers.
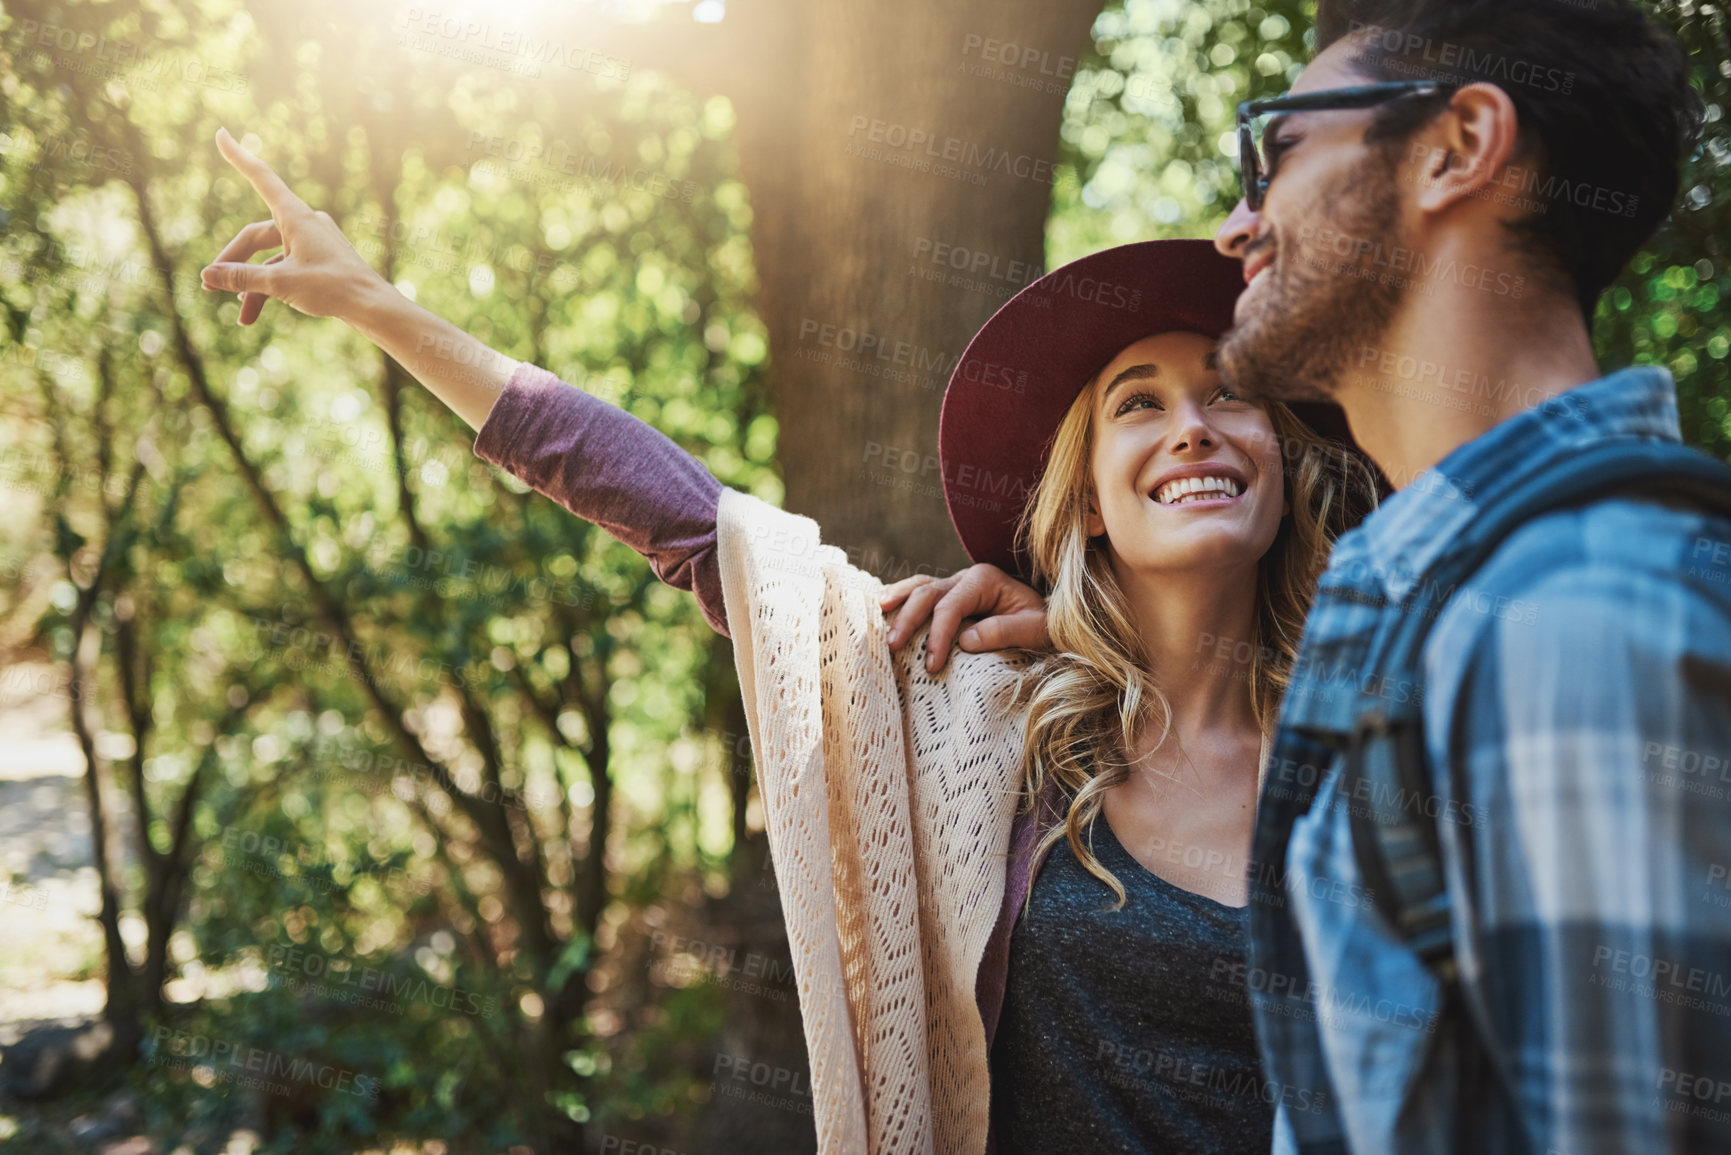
{"x": 599, "y": 462}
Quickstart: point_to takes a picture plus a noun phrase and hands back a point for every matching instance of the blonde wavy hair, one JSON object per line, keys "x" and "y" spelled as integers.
{"x": 1095, "y": 696}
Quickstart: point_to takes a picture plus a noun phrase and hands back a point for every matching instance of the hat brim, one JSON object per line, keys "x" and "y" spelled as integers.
{"x": 1026, "y": 366}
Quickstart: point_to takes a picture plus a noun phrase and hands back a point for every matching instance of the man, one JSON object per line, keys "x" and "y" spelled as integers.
{"x": 1431, "y": 261}
{"x": 1429, "y": 257}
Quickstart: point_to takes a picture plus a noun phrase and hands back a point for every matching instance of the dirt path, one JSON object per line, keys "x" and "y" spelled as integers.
{"x": 51, "y": 951}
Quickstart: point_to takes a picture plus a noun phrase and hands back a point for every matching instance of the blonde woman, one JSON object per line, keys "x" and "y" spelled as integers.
{"x": 1015, "y": 887}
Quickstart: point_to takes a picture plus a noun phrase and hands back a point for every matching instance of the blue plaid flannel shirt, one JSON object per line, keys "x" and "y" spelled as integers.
{"x": 1577, "y": 705}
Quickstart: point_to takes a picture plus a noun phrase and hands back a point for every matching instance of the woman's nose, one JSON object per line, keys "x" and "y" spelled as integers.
{"x": 1192, "y": 429}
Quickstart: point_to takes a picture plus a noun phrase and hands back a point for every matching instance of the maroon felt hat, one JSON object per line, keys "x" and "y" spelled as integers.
{"x": 1024, "y": 368}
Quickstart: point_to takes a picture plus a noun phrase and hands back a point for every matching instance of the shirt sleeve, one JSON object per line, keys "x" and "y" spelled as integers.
{"x": 613, "y": 470}
{"x": 1591, "y": 737}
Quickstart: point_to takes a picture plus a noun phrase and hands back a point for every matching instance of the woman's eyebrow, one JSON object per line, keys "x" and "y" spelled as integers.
{"x": 1133, "y": 373}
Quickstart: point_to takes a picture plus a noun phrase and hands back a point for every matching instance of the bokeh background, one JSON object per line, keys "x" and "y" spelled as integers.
{"x": 353, "y": 798}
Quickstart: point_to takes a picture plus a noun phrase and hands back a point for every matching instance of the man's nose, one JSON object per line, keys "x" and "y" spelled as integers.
{"x": 1238, "y": 230}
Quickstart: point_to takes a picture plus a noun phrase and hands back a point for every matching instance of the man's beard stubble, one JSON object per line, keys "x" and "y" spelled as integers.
{"x": 1317, "y": 314}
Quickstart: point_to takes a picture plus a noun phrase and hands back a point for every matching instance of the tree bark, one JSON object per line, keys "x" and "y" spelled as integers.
{"x": 832, "y": 140}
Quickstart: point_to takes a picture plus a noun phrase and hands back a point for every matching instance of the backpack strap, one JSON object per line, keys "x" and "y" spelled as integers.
{"x": 1394, "y": 836}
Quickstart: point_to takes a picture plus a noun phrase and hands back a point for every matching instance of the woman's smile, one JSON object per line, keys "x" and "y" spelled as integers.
{"x": 1209, "y": 486}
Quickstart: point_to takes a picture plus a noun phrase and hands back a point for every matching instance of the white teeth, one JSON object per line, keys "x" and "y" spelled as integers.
{"x": 1197, "y": 489}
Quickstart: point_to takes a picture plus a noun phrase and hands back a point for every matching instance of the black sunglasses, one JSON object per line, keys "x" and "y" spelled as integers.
{"x": 1252, "y": 168}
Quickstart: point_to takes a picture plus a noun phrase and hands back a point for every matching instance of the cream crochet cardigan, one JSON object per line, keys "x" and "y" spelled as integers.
{"x": 888, "y": 796}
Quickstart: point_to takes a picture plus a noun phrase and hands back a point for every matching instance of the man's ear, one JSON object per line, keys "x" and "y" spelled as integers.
{"x": 1466, "y": 148}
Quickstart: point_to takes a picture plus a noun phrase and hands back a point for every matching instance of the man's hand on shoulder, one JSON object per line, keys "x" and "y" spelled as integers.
{"x": 1009, "y": 615}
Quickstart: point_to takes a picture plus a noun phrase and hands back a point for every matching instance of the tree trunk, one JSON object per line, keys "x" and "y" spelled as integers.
{"x": 876, "y": 141}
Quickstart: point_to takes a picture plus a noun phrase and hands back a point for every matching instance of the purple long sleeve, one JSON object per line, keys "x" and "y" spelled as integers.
{"x": 609, "y": 468}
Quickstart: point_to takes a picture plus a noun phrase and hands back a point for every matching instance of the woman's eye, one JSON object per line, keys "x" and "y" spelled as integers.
{"x": 1137, "y": 401}
{"x": 1225, "y": 394}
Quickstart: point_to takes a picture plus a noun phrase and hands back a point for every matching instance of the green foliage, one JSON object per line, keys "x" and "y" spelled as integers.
{"x": 1150, "y": 119}
{"x": 550, "y": 680}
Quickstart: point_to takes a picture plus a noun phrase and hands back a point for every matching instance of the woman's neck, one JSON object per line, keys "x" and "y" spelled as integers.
{"x": 1198, "y": 630}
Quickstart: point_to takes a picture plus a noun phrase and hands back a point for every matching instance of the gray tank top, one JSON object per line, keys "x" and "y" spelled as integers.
{"x": 1126, "y": 1030}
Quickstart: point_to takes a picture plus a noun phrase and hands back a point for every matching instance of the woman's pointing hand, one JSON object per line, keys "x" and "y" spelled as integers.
{"x": 317, "y": 273}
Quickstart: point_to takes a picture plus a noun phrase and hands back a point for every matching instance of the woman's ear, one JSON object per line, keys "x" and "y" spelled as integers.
{"x": 1092, "y": 523}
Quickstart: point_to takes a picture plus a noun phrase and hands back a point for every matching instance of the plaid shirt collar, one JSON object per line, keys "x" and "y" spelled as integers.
{"x": 1410, "y": 530}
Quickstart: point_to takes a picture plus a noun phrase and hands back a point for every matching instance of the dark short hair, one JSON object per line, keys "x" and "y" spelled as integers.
{"x": 1607, "y": 114}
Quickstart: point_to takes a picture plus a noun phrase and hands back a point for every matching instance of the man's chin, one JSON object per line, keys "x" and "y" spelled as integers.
{"x": 1248, "y": 362}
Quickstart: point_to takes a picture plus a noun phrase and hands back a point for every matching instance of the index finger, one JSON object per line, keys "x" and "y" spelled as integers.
{"x": 261, "y": 176}
{"x": 892, "y": 596}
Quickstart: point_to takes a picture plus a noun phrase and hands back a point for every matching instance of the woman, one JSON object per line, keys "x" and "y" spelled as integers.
{"x": 1041, "y": 864}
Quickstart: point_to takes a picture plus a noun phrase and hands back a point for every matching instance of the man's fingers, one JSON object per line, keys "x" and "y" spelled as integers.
{"x": 256, "y": 237}
{"x": 914, "y": 612}
{"x": 261, "y": 176}
{"x": 894, "y": 595}
{"x": 1019, "y": 631}
{"x": 963, "y": 601}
